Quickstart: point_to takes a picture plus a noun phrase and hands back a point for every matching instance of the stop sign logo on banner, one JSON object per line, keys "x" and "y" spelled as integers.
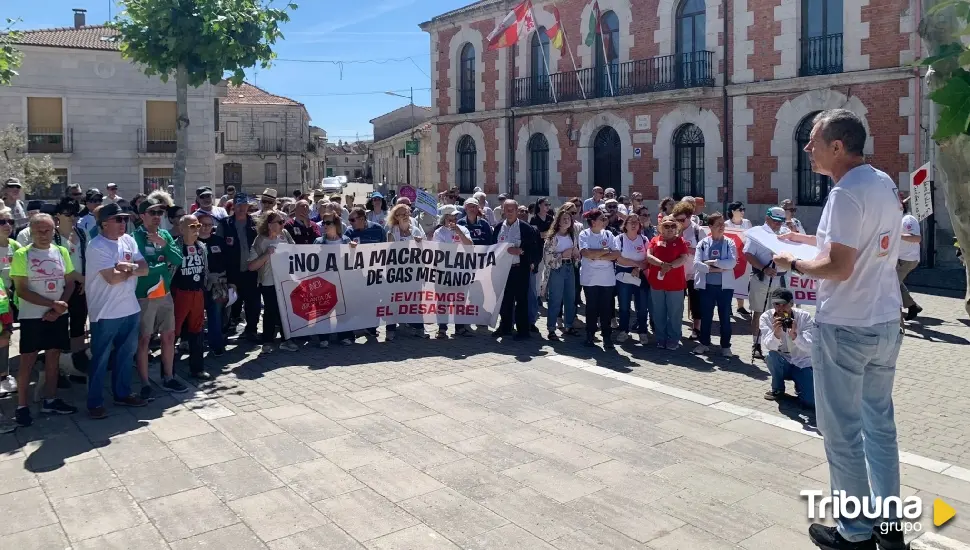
{"x": 741, "y": 272}
{"x": 921, "y": 194}
{"x": 312, "y": 299}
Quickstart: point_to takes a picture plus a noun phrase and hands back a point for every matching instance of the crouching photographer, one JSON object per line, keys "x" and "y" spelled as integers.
{"x": 787, "y": 339}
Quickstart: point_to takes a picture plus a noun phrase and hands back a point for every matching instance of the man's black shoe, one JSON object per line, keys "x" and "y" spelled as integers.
{"x": 913, "y": 312}
{"x": 889, "y": 536}
{"x": 828, "y": 538}
{"x": 756, "y": 352}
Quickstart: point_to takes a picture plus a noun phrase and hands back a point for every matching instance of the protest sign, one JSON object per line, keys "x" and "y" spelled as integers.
{"x": 324, "y": 289}
{"x": 426, "y": 202}
{"x": 804, "y": 288}
{"x": 409, "y": 193}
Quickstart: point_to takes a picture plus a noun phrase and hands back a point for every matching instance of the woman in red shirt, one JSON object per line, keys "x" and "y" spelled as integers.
{"x": 666, "y": 256}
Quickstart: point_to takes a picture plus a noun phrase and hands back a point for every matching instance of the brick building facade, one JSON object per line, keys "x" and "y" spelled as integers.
{"x": 677, "y": 101}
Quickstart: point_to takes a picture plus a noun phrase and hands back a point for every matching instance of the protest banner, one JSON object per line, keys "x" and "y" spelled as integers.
{"x": 426, "y": 202}
{"x": 742, "y": 273}
{"x": 324, "y": 289}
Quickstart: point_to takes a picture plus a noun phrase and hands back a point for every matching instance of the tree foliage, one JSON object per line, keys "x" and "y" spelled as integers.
{"x": 35, "y": 173}
{"x": 952, "y": 62}
{"x": 10, "y": 56}
{"x": 212, "y": 39}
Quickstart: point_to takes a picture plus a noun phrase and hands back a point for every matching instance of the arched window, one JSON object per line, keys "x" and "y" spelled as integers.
{"x": 812, "y": 187}
{"x": 466, "y": 80}
{"x": 688, "y": 162}
{"x": 691, "y": 40}
{"x": 467, "y": 164}
{"x": 539, "y": 53}
{"x": 608, "y": 54}
{"x": 821, "y": 37}
{"x": 538, "y": 165}
{"x": 606, "y": 159}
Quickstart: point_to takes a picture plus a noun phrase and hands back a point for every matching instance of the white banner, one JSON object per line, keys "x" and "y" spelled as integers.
{"x": 805, "y": 289}
{"x": 921, "y": 194}
{"x": 324, "y": 289}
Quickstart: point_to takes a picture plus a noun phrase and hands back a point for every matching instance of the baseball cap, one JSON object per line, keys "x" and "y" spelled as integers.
{"x": 776, "y": 213}
{"x": 93, "y": 195}
{"x": 782, "y": 296}
{"x": 471, "y": 201}
{"x": 34, "y": 205}
{"x": 112, "y": 186}
{"x": 111, "y": 210}
{"x": 150, "y": 202}
{"x": 205, "y": 189}
{"x": 12, "y": 182}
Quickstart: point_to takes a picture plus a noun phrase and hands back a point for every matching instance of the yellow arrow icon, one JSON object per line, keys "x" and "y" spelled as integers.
{"x": 942, "y": 512}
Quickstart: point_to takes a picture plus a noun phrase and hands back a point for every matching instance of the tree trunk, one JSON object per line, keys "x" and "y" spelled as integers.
{"x": 181, "y": 134}
{"x": 953, "y": 157}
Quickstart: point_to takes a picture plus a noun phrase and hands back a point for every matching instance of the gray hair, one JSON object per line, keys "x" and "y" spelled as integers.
{"x": 842, "y": 125}
{"x": 39, "y": 218}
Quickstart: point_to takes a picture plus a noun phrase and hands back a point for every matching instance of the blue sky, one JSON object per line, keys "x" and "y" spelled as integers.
{"x": 319, "y": 30}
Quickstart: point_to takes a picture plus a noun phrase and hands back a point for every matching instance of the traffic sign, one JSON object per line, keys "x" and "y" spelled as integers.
{"x": 637, "y": 152}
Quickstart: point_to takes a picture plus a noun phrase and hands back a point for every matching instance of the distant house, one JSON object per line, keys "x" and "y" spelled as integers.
{"x": 350, "y": 159}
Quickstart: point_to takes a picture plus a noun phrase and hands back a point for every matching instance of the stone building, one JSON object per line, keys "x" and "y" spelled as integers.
{"x": 265, "y": 141}
{"x": 100, "y": 118}
{"x": 677, "y": 97}
{"x": 350, "y": 159}
{"x": 392, "y": 163}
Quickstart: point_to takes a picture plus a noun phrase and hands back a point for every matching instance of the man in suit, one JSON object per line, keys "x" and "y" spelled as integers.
{"x": 525, "y": 247}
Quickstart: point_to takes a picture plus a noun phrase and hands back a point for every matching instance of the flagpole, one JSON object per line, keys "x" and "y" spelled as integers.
{"x": 565, "y": 39}
{"x": 606, "y": 59}
{"x": 545, "y": 61}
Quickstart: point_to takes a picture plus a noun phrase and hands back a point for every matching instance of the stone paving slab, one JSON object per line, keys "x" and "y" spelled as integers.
{"x": 518, "y": 445}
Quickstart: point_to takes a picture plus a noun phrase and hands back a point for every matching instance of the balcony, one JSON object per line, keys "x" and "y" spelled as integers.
{"x": 821, "y": 55}
{"x": 269, "y": 145}
{"x": 155, "y": 140}
{"x": 668, "y": 72}
{"x": 50, "y": 140}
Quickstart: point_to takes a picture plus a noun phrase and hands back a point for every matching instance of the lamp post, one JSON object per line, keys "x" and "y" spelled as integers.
{"x": 407, "y": 160}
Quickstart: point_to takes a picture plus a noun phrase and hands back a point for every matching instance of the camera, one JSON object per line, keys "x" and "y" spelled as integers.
{"x": 787, "y": 321}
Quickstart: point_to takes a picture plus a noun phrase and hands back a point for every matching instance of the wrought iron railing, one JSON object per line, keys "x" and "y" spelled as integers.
{"x": 667, "y": 72}
{"x": 155, "y": 140}
{"x": 270, "y": 145}
{"x": 50, "y": 140}
{"x": 821, "y": 55}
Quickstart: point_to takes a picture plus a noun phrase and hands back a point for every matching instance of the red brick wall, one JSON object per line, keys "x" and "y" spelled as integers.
{"x": 444, "y": 167}
{"x": 885, "y": 41}
{"x": 761, "y": 164}
{"x": 442, "y": 62}
{"x": 487, "y": 85}
{"x": 762, "y": 33}
{"x": 885, "y": 124}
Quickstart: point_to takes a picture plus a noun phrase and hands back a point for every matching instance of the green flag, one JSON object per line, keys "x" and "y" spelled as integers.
{"x": 593, "y": 25}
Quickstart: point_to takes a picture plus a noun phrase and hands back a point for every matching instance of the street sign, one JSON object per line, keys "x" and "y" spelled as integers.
{"x": 412, "y": 147}
{"x": 921, "y": 194}
{"x": 637, "y": 152}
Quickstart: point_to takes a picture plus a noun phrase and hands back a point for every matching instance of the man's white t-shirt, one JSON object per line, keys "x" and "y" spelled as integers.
{"x": 596, "y": 272}
{"x": 445, "y": 235}
{"x": 862, "y": 212}
{"x": 909, "y": 251}
{"x": 107, "y": 301}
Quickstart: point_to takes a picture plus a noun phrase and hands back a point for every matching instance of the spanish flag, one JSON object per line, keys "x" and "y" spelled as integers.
{"x": 555, "y": 32}
{"x": 508, "y": 31}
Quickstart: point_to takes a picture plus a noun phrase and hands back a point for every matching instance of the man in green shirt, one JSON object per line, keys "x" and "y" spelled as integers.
{"x": 154, "y": 291}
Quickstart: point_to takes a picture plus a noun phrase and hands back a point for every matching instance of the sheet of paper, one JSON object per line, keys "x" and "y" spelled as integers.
{"x": 771, "y": 242}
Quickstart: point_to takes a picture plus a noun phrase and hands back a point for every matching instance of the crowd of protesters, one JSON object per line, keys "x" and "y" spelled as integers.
{"x": 195, "y": 277}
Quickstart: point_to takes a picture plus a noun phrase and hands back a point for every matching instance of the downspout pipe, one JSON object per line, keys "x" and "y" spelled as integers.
{"x": 726, "y": 140}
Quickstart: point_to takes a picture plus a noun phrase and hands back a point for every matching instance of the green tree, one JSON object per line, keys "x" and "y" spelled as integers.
{"x": 35, "y": 173}
{"x": 948, "y": 80}
{"x": 10, "y": 56}
{"x": 198, "y": 41}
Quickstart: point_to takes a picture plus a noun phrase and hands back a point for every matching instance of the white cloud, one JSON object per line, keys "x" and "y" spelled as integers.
{"x": 361, "y": 16}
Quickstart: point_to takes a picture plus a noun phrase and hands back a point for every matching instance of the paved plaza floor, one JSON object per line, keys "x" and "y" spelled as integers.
{"x": 469, "y": 443}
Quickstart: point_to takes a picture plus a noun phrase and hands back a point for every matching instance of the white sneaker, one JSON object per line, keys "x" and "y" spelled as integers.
{"x": 324, "y": 344}
{"x": 726, "y": 352}
{"x": 8, "y": 384}
{"x": 288, "y": 346}
{"x": 621, "y": 337}
{"x": 701, "y": 349}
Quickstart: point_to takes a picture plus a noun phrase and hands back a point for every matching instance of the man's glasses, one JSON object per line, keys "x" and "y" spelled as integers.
{"x": 119, "y": 219}
{"x": 158, "y": 213}
{"x": 194, "y": 225}
{"x": 6, "y": 222}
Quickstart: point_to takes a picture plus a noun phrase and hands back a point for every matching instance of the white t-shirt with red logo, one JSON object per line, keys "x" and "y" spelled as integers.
{"x": 862, "y": 212}
{"x": 107, "y": 301}
{"x": 635, "y": 250}
{"x": 445, "y": 235}
{"x": 597, "y": 272}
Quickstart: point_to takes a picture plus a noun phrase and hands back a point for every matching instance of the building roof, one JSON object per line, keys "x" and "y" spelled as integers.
{"x": 404, "y": 109}
{"x": 349, "y": 148}
{"x": 90, "y": 37}
{"x": 247, "y": 94}
{"x": 480, "y": 4}
{"x": 422, "y": 129}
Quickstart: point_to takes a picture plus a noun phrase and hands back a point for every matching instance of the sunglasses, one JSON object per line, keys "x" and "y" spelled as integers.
{"x": 158, "y": 213}
{"x": 329, "y": 222}
{"x": 681, "y": 220}
{"x": 669, "y": 226}
{"x": 194, "y": 225}
{"x": 119, "y": 219}
{"x": 6, "y": 222}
